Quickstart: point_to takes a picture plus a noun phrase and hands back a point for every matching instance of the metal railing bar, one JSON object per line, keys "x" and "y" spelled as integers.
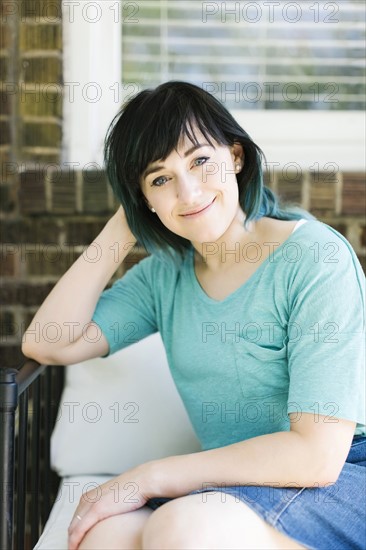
{"x": 22, "y": 469}
{"x": 46, "y": 392}
{"x": 8, "y": 404}
{"x": 29, "y": 372}
{"x": 35, "y": 457}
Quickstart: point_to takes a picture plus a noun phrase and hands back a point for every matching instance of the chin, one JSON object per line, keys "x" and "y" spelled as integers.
{"x": 207, "y": 233}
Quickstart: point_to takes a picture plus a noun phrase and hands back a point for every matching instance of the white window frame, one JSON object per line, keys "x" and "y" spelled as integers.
{"x": 93, "y": 54}
{"x": 308, "y": 137}
{"x": 92, "y": 61}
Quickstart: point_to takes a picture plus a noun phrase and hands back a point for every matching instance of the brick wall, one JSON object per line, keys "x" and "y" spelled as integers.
{"x": 31, "y": 132}
{"x": 49, "y": 214}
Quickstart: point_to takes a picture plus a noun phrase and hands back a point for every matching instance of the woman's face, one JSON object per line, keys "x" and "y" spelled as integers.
{"x": 194, "y": 191}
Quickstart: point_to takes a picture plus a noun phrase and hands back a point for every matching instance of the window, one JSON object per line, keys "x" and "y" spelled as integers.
{"x": 292, "y": 73}
{"x": 250, "y": 55}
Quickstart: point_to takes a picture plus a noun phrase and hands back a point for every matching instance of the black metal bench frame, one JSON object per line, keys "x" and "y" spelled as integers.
{"x": 29, "y": 399}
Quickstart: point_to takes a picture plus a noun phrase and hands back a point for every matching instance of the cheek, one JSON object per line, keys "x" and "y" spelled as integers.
{"x": 229, "y": 187}
{"x": 165, "y": 214}
{"x": 226, "y": 175}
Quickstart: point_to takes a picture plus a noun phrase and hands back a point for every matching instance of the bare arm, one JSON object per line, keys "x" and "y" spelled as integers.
{"x": 57, "y": 332}
{"x": 311, "y": 454}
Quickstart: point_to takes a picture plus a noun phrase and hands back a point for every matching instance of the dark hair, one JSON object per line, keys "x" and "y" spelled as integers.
{"x": 149, "y": 127}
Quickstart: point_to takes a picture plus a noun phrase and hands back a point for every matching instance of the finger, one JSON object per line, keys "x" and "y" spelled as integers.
{"x": 76, "y": 518}
{"x": 79, "y": 528}
{"x": 85, "y": 502}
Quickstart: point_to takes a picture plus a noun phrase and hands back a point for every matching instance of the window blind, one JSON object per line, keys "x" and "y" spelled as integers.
{"x": 252, "y": 55}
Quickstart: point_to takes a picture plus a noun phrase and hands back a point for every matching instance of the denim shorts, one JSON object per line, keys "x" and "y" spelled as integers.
{"x": 320, "y": 518}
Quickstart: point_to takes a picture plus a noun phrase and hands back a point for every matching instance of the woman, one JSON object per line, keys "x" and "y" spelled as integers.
{"x": 261, "y": 311}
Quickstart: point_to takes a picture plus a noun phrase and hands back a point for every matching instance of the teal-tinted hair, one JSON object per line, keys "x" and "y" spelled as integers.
{"x": 149, "y": 127}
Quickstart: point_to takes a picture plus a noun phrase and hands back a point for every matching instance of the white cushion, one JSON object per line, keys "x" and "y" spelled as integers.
{"x": 120, "y": 411}
{"x": 54, "y": 535}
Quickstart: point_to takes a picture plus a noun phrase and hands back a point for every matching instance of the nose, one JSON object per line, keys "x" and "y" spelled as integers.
{"x": 189, "y": 188}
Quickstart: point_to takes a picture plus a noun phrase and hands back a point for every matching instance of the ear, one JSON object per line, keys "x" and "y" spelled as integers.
{"x": 237, "y": 153}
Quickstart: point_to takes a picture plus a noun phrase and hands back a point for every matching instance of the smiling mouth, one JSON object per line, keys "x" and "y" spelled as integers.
{"x": 199, "y": 210}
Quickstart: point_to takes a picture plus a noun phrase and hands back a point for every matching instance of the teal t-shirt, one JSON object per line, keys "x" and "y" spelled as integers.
{"x": 290, "y": 339}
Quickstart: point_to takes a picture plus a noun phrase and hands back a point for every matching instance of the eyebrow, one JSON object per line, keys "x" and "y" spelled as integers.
{"x": 189, "y": 151}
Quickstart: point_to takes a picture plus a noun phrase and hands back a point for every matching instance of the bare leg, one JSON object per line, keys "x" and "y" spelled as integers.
{"x": 193, "y": 523}
{"x": 122, "y": 532}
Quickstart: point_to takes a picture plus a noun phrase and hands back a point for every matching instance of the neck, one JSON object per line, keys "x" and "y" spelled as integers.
{"x": 228, "y": 249}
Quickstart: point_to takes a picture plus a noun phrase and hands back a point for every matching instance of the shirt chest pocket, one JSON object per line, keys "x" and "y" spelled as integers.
{"x": 262, "y": 371}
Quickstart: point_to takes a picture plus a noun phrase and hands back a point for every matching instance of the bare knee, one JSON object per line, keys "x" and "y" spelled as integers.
{"x": 189, "y": 523}
{"x": 176, "y": 526}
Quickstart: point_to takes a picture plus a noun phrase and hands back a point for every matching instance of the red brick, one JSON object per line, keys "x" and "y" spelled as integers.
{"x": 4, "y": 64}
{"x": 9, "y": 261}
{"x": 30, "y": 230}
{"x": 9, "y": 168}
{"x": 82, "y": 232}
{"x": 42, "y": 36}
{"x": 363, "y": 235}
{"x": 4, "y": 35}
{"x": 289, "y": 187}
{"x": 4, "y": 132}
{"x": 44, "y": 69}
{"x": 46, "y": 231}
{"x": 52, "y": 261}
{"x": 47, "y": 101}
{"x": 354, "y": 194}
{"x": 32, "y": 196}
{"x": 13, "y": 231}
{"x": 5, "y": 158}
{"x": 41, "y": 134}
{"x": 5, "y": 103}
{"x": 8, "y": 294}
{"x": 8, "y": 326}
{"x": 95, "y": 191}
{"x": 322, "y": 197}
{"x": 33, "y": 294}
{"x": 7, "y": 198}
{"x": 63, "y": 192}
{"x": 24, "y": 294}
{"x": 50, "y": 9}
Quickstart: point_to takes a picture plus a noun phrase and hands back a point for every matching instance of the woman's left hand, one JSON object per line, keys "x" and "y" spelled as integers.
{"x": 124, "y": 493}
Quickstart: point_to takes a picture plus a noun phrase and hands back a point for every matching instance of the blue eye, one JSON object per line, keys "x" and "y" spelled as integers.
{"x": 201, "y": 160}
{"x": 159, "y": 181}
{"x": 162, "y": 180}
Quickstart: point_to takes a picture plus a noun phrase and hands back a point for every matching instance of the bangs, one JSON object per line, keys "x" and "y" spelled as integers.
{"x": 166, "y": 133}
{"x": 158, "y": 131}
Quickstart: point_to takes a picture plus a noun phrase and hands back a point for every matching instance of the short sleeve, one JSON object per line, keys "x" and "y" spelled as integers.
{"x": 125, "y": 312}
{"x": 326, "y": 334}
